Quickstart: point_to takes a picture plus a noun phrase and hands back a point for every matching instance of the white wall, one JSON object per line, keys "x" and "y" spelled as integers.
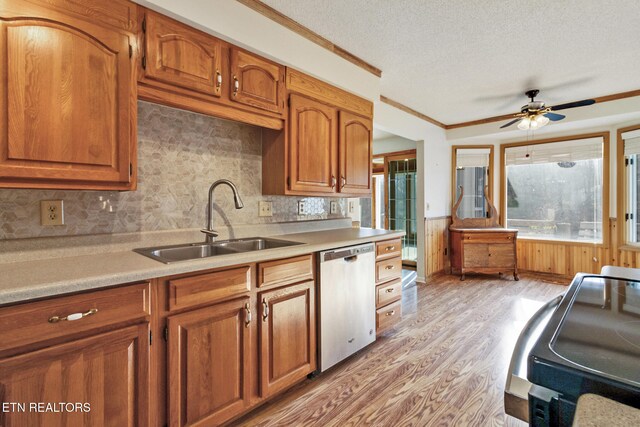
{"x": 391, "y": 144}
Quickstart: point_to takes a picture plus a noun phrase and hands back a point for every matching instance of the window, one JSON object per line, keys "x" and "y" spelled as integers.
{"x": 555, "y": 190}
{"x": 632, "y": 177}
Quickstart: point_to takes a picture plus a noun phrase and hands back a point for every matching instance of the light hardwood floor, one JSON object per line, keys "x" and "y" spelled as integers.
{"x": 444, "y": 365}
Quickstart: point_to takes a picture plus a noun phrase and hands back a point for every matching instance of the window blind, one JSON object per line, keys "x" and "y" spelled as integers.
{"x": 472, "y": 157}
{"x": 555, "y": 152}
{"x": 631, "y": 142}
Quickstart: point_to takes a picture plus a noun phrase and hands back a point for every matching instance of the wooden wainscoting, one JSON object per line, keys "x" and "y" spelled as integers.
{"x": 437, "y": 245}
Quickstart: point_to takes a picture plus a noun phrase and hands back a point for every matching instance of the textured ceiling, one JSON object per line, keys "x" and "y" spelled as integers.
{"x": 461, "y": 60}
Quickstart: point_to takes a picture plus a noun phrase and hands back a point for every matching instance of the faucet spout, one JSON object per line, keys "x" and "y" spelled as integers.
{"x": 210, "y": 233}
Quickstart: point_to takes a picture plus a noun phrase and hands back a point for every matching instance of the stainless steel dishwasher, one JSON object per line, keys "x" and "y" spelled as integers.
{"x": 347, "y": 302}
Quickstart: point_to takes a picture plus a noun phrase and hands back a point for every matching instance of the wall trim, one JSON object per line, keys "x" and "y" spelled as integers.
{"x": 305, "y": 32}
{"x": 411, "y": 111}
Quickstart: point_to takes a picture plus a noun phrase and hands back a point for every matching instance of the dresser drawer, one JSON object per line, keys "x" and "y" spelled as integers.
{"x": 388, "y": 249}
{"x": 489, "y": 237}
{"x": 285, "y": 271}
{"x": 209, "y": 287}
{"x": 50, "y": 320}
{"x": 388, "y": 293}
{"x": 388, "y": 316}
{"x": 388, "y": 270}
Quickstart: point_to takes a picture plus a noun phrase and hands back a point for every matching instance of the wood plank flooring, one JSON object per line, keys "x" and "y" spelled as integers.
{"x": 445, "y": 364}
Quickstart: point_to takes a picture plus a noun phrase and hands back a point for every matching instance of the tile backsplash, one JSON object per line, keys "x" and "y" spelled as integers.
{"x": 179, "y": 155}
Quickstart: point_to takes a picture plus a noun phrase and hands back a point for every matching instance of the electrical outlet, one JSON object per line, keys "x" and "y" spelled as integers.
{"x": 333, "y": 208}
{"x": 265, "y": 209}
{"x": 51, "y": 212}
{"x": 352, "y": 206}
{"x": 302, "y": 207}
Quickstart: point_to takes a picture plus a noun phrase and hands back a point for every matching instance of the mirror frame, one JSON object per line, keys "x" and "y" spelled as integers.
{"x": 454, "y": 165}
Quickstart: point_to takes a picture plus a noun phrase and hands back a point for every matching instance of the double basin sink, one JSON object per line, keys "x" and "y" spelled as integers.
{"x": 192, "y": 251}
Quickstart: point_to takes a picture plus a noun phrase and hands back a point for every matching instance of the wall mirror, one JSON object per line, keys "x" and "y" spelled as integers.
{"x": 472, "y": 169}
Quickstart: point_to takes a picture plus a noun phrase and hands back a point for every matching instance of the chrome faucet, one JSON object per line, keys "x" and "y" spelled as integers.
{"x": 211, "y": 234}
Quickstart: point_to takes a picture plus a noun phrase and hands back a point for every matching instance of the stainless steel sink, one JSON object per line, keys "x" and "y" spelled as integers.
{"x": 191, "y": 251}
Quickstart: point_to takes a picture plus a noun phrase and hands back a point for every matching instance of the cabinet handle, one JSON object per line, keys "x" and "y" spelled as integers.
{"x": 236, "y": 85}
{"x": 343, "y": 181}
{"x": 389, "y": 290}
{"x": 72, "y": 317}
{"x": 218, "y": 79}
{"x": 333, "y": 181}
{"x": 247, "y": 320}
{"x": 390, "y": 248}
{"x": 265, "y": 310}
{"x": 391, "y": 313}
{"x": 389, "y": 267}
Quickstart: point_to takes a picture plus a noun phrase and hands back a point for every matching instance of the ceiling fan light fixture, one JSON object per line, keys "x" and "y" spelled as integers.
{"x": 542, "y": 120}
{"x": 524, "y": 124}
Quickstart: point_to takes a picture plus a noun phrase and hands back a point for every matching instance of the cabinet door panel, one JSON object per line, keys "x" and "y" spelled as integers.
{"x": 209, "y": 364}
{"x": 356, "y": 146}
{"x": 67, "y": 104}
{"x": 260, "y": 83}
{"x": 182, "y": 56}
{"x": 313, "y": 146}
{"x": 110, "y": 372}
{"x": 287, "y": 336}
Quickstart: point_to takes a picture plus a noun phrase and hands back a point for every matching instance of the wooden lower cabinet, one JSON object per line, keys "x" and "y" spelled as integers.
{"x": 287, "y": 336}
{"x": 108, "y": 372}
{"x": 209, "y": 363}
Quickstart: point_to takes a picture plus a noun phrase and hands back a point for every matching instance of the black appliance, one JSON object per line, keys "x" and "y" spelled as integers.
{"x": 591, "y": 344}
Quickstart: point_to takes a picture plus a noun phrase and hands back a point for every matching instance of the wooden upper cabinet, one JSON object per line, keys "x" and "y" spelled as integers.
{"x": 256, "y": 81}
{"x": 209, "y": 358}
{"x": 287, "y": 336}
{"x": 181, "y": 56}
{"x": 109, "y": 372}
{"x": 67, "y": 104}
{"x": 356, "y": 145}
{"x": 313, "y": 146}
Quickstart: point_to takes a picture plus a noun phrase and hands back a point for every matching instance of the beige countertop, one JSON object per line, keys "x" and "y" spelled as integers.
{"x": 597, "y": 411}
{"x": 26, "y": 280}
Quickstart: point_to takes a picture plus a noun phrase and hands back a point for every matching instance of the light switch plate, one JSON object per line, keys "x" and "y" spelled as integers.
{"x": 265, "y": 209}
{"x": 352, "y": 206}
{"x": 51, "y": 212}
{"x": 302, "y": 207}
{"x": 333, "y": 209}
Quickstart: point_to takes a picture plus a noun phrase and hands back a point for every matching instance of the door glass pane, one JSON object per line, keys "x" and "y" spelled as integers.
{"x": 402, "y": 204}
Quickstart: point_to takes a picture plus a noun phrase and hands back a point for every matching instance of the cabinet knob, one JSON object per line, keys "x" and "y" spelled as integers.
{"x": 247, "y": 319}
{"x": 73, "y": 316}
{"x": 389, "y": 267}
{"x": 390, "y": 248}
{"x": 236, "y": 85}
{"x": 390, "y": 290}
{"x": 391, "y": 313}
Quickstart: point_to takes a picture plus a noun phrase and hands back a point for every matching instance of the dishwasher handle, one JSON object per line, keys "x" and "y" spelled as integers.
{"x": 352, "y": 258}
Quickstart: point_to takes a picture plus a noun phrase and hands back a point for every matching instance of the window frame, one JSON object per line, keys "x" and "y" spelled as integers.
{"x": 623, "y": 192}
{"x": 605, "y": 186}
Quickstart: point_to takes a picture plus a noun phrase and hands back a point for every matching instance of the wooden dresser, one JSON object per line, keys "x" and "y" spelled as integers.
{"x": 483, "y": 250}
{"x": 480, "y": 245}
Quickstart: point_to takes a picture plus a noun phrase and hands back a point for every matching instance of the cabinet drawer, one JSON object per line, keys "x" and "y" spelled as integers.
{"x": 389, "y": 269}
{"x": 388, "y": 316}
{"x": 28, "y": 324}
{"x": 388, "y": 293}
{"x": 209, "y": 287}
{"x": 285, "y": 271}
{"x": 489, "y": 237}
{"x": 388, "y": 249}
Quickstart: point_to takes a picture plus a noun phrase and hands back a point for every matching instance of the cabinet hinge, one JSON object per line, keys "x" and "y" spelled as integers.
{"x": 144, "y": 25}
{"x": 130, "y": 169}
{"x": 130, "y": 51}
{"x": 166, "y": 333}
{"x": 144, "y": 62}
{"x": 289, "y": 181}
{"x": 150, "y": 337}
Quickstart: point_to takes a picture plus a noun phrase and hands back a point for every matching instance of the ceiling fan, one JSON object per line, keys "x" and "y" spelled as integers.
{"x": 536, "y": 114}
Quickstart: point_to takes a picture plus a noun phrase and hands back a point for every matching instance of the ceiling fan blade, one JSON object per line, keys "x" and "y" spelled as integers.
{"x": 554, "y": 117}
{"x": 510, "y": 123}
{"x": 582, "y": 103}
